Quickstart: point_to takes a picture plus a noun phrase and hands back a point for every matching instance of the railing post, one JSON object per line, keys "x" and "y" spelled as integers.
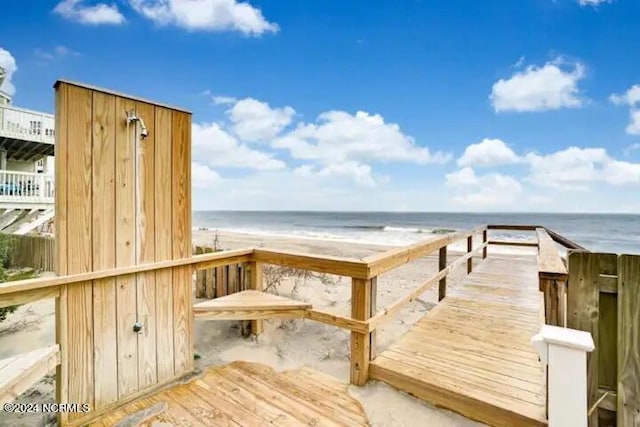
{"x": 442, "y": 264}
{"x": 362, "y": 300}
{"x": 255, "y": 283}
{"x": 469, "y": 249}
{"x": 484, "y": 242}
{"x": 41, "y": 192}
{"x": 564, "y": 352}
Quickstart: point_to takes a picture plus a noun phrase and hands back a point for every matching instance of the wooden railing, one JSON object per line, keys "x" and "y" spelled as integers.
{"x": 365, "y": 316}
{"x": 26, "y": 187}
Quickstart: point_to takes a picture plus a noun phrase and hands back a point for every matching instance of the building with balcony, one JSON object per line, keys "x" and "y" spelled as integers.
{"x": 26, "y": 181}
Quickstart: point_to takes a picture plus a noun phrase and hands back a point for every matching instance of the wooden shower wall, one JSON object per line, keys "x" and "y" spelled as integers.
{"x": 121, "y": 200}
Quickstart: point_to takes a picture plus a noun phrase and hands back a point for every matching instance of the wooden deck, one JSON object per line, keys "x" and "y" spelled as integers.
{"x": 472, "y": 353}
{"x": 246, "y": 394}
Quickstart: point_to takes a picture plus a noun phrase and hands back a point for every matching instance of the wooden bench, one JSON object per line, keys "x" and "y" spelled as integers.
{"x": 250, "y": 305}
{"x": 19, "y": 373}
{"x": 552, "y": 273}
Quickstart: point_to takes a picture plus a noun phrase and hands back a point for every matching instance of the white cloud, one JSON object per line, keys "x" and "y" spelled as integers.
{"x": 203, "y": 176}
{"x": 8, "y": 64}
{"x": 358, "y": 172}
{"x": 339, "y": 137}
{"x": 488, "y": 152}
{"x": 58, "y": 52}
{"x": 100, "y": 13}
{"x": 550, "y": 87}
{"x": 634, "y": 125}
{"x": 492, "y": 189}
{"x": 212, "y": 15}
{"x": 593, "y": 3}
{"x": 214, "y": 147}
{"x": 254, "y": 120}
{"x": 631, "y": 98}
{"x": 574, "y": 168}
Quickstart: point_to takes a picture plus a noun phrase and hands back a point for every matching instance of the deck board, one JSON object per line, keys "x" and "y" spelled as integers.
{"x": 250, "y": 394}
{"x": 472, "y": 352}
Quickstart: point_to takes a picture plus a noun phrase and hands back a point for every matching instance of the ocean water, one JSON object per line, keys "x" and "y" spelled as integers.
{"x": 597, "y": 232}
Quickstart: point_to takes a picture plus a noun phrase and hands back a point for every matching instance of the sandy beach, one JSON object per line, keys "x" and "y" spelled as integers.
{"x": 287, "y": 344}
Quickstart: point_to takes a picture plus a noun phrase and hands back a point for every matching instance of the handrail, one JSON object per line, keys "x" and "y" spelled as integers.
{"x": 381, "y": 263}
{"x": 204, "y": 261}
{"x": 569, "y": 244}
{"x": 550, "y": 263}
{"x": 393, "y": 308}
{"x": 339, "y": 266}
{"x": 513, "y": 227}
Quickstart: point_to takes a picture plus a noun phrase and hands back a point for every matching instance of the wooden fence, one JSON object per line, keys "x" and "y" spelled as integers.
{"x": 220, "y": 281}
{"x": 31, "y": 251}
{"x": 603, "y": 298}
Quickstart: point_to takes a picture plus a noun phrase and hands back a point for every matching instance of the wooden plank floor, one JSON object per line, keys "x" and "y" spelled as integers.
{"x": 246, "y": 394}
{"x": 472, "y": 352}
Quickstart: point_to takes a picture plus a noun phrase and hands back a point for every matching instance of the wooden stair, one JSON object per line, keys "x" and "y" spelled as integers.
{"x": 250, "y": 305}
{"x": 19, "y": 373}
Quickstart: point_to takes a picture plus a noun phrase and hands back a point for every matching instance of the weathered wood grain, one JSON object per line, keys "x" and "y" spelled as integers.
{"x": 164, "y": 243}
{"x": 182, "y": 246}
{"x": 628, "y": 410}
{"x": 79, "y": 247}
{"x": 125, "y": 234}
{"x": 361, "y": 291}
{"x": 472, "y": 352}
{"x": 247, "y": 394}
{"x": 104, "y": 249}
{"x": 145, "y": 246}
{"x": 256, "y": 283}
{"x": 583, "y": 306}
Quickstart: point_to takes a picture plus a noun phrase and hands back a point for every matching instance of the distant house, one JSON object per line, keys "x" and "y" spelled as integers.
{"x": 26, "y": 153}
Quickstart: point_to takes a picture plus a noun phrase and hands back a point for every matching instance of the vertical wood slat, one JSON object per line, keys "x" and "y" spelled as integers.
{"x": 628, "y": 407}
{"x": 552, "y": 311}
{"x": 200, "y": 277}
{"x": 256, "y": 283}
{"x": 60, "y": 241}
{"x": 125, "y": 231}
{"x": 469, "y": 249}
{"x": 607, "y": 327}
{"x": 442, "y": 264}
{"x": 232, "y": 279}
{"x": 164, "y": 243}
{"x": 583, "y": 312}
{"x": 209, "y": 279}
{"x": 220, "y": 284}
{"x": 79, "y": 250}
{"x": 182, "y": 276}
{"x": 373, "y": 308}
{"x": 361, "y": 292}
{"x": 145, "y": 246}
{"x": 484, "y": 242}
{"x": 104, "y": 249}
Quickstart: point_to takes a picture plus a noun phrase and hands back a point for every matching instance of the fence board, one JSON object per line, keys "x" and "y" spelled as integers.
{"x": 583, "y": 311}
{"x": 628, "y": 411}
{"x": 31, "y": 251}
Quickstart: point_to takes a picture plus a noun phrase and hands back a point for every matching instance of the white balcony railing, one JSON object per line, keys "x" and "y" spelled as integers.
{"x": 27, "y": 125}
{"x": 26, "y": 187}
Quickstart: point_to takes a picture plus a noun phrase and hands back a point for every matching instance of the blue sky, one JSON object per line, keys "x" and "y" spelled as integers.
{"x": 390, "y": 105}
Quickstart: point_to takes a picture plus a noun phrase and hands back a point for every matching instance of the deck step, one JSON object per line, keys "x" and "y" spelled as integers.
{"x": 250, "y": 305}
{"x": 19, "y": 373}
